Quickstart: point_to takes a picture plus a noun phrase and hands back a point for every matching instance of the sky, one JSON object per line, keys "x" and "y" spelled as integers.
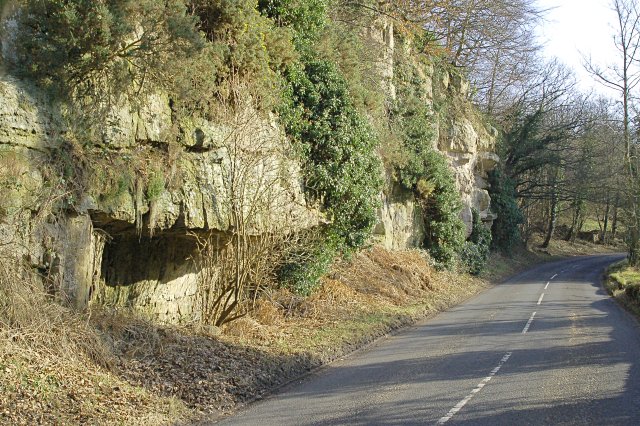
{"x": 579, "y": 27}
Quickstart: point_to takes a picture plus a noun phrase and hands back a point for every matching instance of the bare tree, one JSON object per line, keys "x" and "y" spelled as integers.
{"x": 624, "y": 78}
{"x": 493, "y": 40}
{"x": 265, "y": 210}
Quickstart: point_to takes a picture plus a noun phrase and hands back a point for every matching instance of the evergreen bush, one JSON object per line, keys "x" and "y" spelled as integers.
{"x": 338, "y": 150}
{"x": 99, "y": 50}
{"x": 424, "y": 170}
{"x": 505, "y": 229}
{"x": 475, "y": 251}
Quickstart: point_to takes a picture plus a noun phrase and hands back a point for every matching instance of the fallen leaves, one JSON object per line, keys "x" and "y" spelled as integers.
{"x": 163, "y": 374}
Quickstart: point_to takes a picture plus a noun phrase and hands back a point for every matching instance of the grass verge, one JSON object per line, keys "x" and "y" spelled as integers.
{"x": 623, "y": 284}
{"x": 101, "y": 367}
{"x": 56, "y": 368}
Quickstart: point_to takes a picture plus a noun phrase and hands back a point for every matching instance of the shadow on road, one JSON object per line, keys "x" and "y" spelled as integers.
{"x": 578, "y": 364}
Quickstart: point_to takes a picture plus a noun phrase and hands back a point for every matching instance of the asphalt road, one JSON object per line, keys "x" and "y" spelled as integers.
{"x": 546, "y": 347}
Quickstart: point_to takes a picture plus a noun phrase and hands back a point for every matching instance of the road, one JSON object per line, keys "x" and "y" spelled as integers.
{"x": 546, "y": 347}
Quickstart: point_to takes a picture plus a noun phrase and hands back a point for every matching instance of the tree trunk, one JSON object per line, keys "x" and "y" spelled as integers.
{"x": 576, "y": 221}
{"x": 633, "y": 246}
{"x": 614, "y": 219}
{"x": 553, "y": 216}
{"x": 604, "y": 236}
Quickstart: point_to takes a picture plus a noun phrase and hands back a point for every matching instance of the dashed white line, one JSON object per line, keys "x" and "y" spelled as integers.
{"x": 493, "y": 372}
{"x": 526, "y": 327}
{"x": 477, "y": 389}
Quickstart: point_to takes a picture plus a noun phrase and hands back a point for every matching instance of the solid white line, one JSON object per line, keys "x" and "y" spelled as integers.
{"x": 547, "y": 286}
{"x": 540, "y": 300}
{"x": 554, "y": 276}
{"x": 477, "y": 389}
{"x": 526, "y": 327}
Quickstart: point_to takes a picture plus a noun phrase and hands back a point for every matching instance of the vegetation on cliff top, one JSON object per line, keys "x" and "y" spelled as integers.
{"x": 304, "y": 60}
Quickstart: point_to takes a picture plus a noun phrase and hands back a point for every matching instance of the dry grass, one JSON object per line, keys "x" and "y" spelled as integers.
{"x": 373, "y": 294}
{"x": 61, "y": 367}
{"x": 562, "y": 248}
{"x": 56, "y": 369}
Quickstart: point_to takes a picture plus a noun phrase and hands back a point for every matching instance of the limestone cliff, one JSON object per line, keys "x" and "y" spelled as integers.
{"x": 460, "y": 134}
{"x": 117, "y": 242}
{"x": 114, "y": 221}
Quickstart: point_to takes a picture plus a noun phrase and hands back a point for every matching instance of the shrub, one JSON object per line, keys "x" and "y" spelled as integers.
{"x": 338, "y": 149}
{"x": 341, "y": 168}
{"x": 306, "y": 18}
{"x": 305, "y": 266}
{"x": 475, "y": 251}
{"x": 156, "y": 185}
{"x": 422, "y": 169}
{"x": 244, "y": 44}
{"x": 505, "y": 230}
{"x": 94, "y": 52}
{"x": 444, "y": 229}
{"x": 99, "y": 50}
{"x": 243, "y": 59}
{"x": 633, "y": 292}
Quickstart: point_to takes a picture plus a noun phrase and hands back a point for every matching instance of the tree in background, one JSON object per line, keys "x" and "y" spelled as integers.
{"x": 624, "y": 78}
{"x": 540, "y": 130}
{"x": 505, "y": 230}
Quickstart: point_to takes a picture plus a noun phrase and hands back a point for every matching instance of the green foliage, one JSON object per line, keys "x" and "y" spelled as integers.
{"x": 243, "y": 58}
{"x": 359, "y": 63}
{"x": 246, "y": 45}
{"x": 303, "y": 268}
{"x": 102, "y": 49}
{"x": 156, "y": 185}
{"x": 424, "y": 170}
{"x": 307, "y": 18}
{"x": 341, "y": 169}
{"x": 115, "y": 186}
{"x": 633, "y": 291}
{"x": 338, "y": 146}
{"x": 197, "y": 51}
{"x": 414, "y": 122}
{"x": 475, "y": 251}
{"x": 445, "y": 231}
{"x": 505, "y": 229}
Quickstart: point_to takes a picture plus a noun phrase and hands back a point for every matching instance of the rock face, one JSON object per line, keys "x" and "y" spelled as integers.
{"x": 126, "y": 241}
{"x": 150, "y": 184}
{"x": 469, "y": 144}
{"x": 460, "y": 134}
{"x": 469, "y": 149}
{"x": 400, "y": 220}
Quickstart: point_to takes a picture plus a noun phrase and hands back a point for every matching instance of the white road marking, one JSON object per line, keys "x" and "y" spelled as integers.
{"x": 547, "y": 286}
{"x": 554, "y": 276}
{"x": 526, "y": 327}
{"x": 477, "y": 389}
{"x": 540, "y": 300}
